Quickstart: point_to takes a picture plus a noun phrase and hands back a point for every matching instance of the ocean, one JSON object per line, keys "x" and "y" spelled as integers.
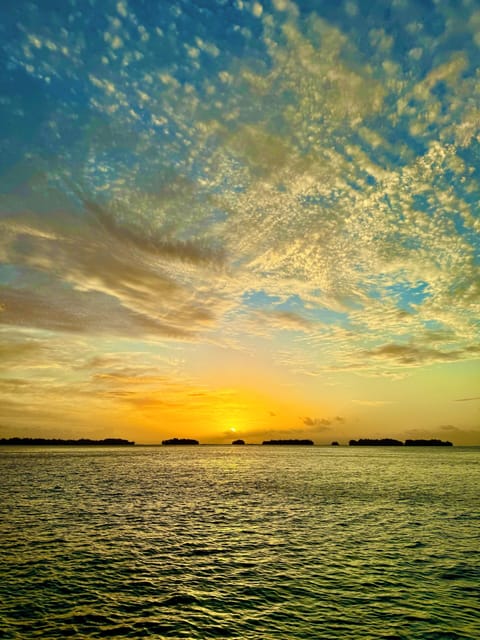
{"x": 245, "y": 542}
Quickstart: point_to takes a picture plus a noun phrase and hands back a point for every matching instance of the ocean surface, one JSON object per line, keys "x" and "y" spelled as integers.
{"x": 240, "y": 542}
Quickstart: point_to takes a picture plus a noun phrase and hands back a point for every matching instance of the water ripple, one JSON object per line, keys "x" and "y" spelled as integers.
{"x": 251, "y": 544}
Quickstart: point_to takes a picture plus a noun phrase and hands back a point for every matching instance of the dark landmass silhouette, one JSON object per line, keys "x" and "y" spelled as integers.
{"x": 374, "y": 442}
{"x": 301, "y": 442}
{"x": 390, "y": 442}
{"x": 238, "y": 442}
{"x": 335, "y": 444}
{"x": 428, "y": 443}
{"x": 176, "y": 441}
{"x": 82, "y": 442}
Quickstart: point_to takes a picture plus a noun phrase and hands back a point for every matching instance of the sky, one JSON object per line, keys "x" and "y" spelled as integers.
{"x": 251, "y": 219}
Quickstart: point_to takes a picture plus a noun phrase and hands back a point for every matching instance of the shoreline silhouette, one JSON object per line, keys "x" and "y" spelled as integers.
{"x": 288, "y": 442}
{"x": 83, "y": 442}
{"x": 391, "y": 442}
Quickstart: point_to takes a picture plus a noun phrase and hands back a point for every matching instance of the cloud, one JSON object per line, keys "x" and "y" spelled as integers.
{"x": 448, "y": 427}
{"x": 411, "y": 354}
{"x": 311, "y": 160}
{"x": 264, "y": 322}
{"x": 150, "y": 241}
{"x": 68, "y": 310}
{"x": 467, "y": 399}
{"x": 13, "y": 384}
{"x": 94, "y": 277}
{"x": 321, "y": 424}
{"x": 18, "y": 349}
{"x": 314, "y": 422}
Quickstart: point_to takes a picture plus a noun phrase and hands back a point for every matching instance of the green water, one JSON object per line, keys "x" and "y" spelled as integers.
{"x": 239, "y": 542}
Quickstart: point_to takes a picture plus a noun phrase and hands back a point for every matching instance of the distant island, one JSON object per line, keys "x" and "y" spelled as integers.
{"x": 82, "y": 442}
{"x": 238, "y": 441}
{"x": 177, "y": 441}
{"x": 391, "y": 442}
{"x": 300, "y": 442}
{"x": 428, "y": 443}
{"x": 372, "y": 442}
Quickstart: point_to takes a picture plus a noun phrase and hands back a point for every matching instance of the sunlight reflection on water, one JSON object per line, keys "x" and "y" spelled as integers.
{"x": 239, "y": 542}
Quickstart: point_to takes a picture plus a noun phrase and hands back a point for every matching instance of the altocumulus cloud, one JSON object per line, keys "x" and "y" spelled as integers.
{"x": 313, "y": 156}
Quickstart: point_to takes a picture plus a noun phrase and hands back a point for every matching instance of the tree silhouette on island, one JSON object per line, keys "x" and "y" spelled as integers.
{"x": 296, "y": 442}
{"x": 391, "y": 442}
{"x": 82, "y": 442}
